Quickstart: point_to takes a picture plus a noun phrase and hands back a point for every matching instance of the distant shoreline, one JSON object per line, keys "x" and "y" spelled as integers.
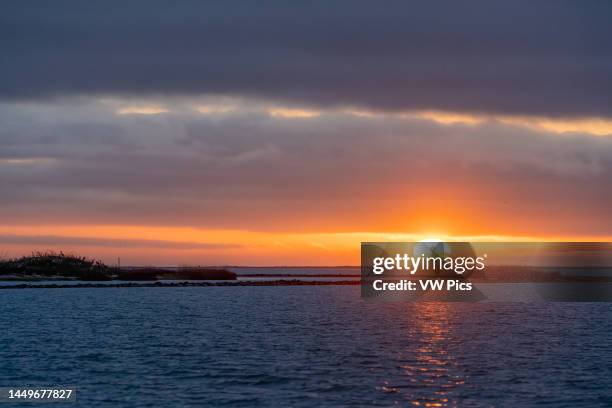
{"x": 160, "y": 284}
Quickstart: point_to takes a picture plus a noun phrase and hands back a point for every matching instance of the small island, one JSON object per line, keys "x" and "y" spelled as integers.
{"x": 60, "y": 266}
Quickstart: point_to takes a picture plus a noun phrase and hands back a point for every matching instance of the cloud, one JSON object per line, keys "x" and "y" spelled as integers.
{"x": 142, "y": 110}
{"x": 593, "y": 126}
{"x": 288, "y": 113}
{"x": 214, "y": 109}
{"x": 26, "y": 161}
{"x": 513, "y": 58}
{"x": 334, "y": 172}
{"x": 56, "y": 240}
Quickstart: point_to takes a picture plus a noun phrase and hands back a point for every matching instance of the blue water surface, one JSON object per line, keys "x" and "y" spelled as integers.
{"x": 302, "y": 346}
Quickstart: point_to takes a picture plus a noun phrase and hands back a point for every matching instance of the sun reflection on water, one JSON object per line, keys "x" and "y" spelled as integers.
{"x": 429, "y": 373}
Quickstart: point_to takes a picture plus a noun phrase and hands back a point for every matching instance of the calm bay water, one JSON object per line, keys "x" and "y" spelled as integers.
{"x": 302, "y": 346}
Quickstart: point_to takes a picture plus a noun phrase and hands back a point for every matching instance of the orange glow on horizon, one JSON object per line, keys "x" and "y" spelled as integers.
{"x": 237, "y": 247}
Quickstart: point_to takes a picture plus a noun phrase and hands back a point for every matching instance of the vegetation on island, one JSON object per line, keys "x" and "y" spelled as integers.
{"x": 54, "y": 265}
{"x": 58, "y": 265}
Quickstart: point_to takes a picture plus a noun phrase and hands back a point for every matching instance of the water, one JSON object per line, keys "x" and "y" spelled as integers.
{"x": 302, "y": 346}
{"x": 169, "y": 281}
{"x": 348, "y": 270}
{"x": 244, "y": 274}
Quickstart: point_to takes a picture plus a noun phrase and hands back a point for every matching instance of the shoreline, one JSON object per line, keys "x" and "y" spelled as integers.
{"x": 160, "y": 284}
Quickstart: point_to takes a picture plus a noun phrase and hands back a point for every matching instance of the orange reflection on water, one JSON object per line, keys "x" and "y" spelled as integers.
{"x": 432, "y": 372}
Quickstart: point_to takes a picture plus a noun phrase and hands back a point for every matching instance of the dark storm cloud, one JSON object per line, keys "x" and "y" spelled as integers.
{"x": 523, "y": 57}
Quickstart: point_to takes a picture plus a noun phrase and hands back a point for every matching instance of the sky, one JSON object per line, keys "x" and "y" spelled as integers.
{"x": 285, "y": 133}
